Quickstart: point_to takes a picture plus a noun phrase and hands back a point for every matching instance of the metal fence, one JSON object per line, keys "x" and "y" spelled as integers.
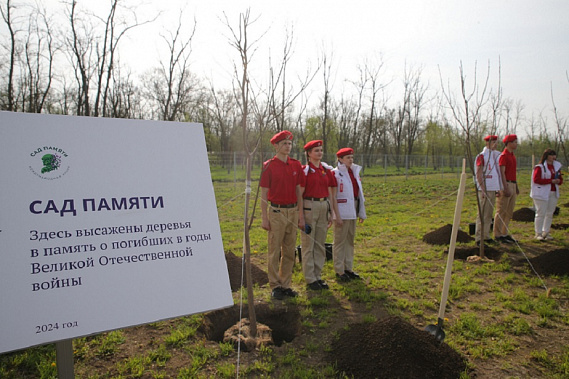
{"x": 232, "y": 166}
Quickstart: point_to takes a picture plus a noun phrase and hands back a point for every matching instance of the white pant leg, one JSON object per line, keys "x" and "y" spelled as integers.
{"x": 551, "y": 204}
{"x": 540, "y": 210}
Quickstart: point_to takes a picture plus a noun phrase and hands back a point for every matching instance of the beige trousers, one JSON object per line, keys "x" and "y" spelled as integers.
{"x": 504, "y": 211}
{"x": 487, "y": 205}
{"x": 313, "y": 244}
{"x": 344, "y": 246}
{"x": 282, "y": 243}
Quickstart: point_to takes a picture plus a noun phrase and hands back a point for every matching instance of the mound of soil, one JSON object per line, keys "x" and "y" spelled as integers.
{"x": 234, "y": 268}
{"x": 524, "y": 214}
{"x": 465, "y": 252}
{"x": 392, "y": 348}
{"x": 555, "y": 262}
{"x": 442, "y": 235}
{"x": 559, "y": 226}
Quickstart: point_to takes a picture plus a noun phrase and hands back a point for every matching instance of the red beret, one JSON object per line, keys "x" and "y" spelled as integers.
{"x": 490, "y": 138}
{"x": 285, "y": 134}
{"x": 311, "y": 144}
{"x": 345, "y": 151}
{"x": 510, "y": 138}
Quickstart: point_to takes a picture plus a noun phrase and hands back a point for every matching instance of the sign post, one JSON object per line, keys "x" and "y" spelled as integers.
{"x": 105, "y": 224}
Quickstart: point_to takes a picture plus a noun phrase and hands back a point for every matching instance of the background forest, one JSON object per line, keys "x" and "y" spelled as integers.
{"x": 71, "y": 64}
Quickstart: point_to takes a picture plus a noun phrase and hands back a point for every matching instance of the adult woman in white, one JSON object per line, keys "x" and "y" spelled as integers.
{"x": 545, "y": 183}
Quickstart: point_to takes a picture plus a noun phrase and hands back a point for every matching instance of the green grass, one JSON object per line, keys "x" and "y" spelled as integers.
{"x": 492, "y": 308}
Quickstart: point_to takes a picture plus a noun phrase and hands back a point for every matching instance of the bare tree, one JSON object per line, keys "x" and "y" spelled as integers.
{"x": 561, "y": 126}
{"x": 281, "y": 103}
{"x": 172, "y": 86}
{"x": 7, "y": 10}
{"x": 240, "y": 41}
{"x": 94, "y": 55}
{"x": 467, "y": 115}
{"x": 39, "y": 58}
{"x": 416, "y": 91}
{"x": 327, "y": 61}
{"x": 371, "y": 73}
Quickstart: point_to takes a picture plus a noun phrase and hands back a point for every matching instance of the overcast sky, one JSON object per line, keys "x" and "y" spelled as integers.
{"x": 530, "y": 38}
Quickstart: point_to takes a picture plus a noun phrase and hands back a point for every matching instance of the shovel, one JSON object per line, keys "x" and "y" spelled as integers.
{"x": 437, "y": 330}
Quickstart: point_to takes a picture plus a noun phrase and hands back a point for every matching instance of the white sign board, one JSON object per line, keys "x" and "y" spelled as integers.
{"x": 104, "y": 224}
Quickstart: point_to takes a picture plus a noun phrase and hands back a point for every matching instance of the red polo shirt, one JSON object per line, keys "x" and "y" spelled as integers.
{"x": 318, "y": 179}
{"x": 281, "y": 179}
{"x": 508, "y": 160}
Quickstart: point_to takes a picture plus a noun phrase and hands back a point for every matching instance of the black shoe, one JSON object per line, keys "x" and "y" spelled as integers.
{"x": 289, "y": 292}
{"x": 503, "y": 239}
{"x": 510, "y": 239}
{"x": 315, "y": 286}
{"x": 323, "y": 284}
{"x": 490, "y": 241}
{"x": 352, "y": 275}
{"x": 343, "y": 278}
{"x": 278, "y": 293}
{"x": 478, "y": 244}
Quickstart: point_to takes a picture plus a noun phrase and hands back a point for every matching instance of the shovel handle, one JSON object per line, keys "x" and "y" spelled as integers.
{"x": 454, "y": 233}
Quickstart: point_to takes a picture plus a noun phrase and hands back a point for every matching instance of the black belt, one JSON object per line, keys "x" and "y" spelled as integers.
{"x": 283, "y": 205}
{"x": 511, "y": 181}
{"x": 316, "y": 198}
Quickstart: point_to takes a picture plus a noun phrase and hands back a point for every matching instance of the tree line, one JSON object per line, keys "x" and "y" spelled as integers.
{"x": 71, "y": 64}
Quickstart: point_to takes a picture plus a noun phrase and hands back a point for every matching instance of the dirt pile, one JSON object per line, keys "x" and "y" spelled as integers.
{"x": 442, "y": 235}
{"x": 555, "y": 262}
{"x": 392, "y": 348}
{"x": 559, "y": 226}
{"x": 234, "y": 268}
{"x": 524, "y": 214}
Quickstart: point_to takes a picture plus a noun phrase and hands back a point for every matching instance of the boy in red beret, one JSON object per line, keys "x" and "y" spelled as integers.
{"x": 351, "y": 206}
{"x": 507, "y": 201}
{"x": 488, "y": 182}
{"x": 282, "y": 184}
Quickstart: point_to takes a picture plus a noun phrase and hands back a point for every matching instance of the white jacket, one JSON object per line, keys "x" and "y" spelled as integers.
{"x": 345, "y": 193}
{"x": 493, "y": 177}
{"x": 542, "y": 191}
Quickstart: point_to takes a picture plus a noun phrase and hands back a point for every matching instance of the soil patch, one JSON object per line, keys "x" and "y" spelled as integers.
{"x": 234, "y": 268}
{"x": 284, "y": 321}
{"x": 555, "y": 262}
{"x": 524, "y": 214}
{"x": 559, "y": 226}
{"x": 442, "y": 236}
{"x": 392, "y": 348}
{"x": 464, "y": 252}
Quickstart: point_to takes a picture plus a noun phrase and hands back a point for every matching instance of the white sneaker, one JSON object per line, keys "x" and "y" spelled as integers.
{"x": 539, "y": 237}
{"x": 547, "y": 236}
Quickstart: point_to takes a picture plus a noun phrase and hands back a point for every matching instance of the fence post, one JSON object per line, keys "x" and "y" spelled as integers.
{"x": 406, "y": 166}
{"x": 234, "y": 169}
{"x": 385, "y": 167}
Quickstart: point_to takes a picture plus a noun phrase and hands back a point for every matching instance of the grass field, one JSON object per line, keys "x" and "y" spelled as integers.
{"x": 506, "y": 320}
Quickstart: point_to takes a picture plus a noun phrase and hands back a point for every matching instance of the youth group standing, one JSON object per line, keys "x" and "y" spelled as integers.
{"x": 311, "y": 198}
{"x": 496, "y": 182}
